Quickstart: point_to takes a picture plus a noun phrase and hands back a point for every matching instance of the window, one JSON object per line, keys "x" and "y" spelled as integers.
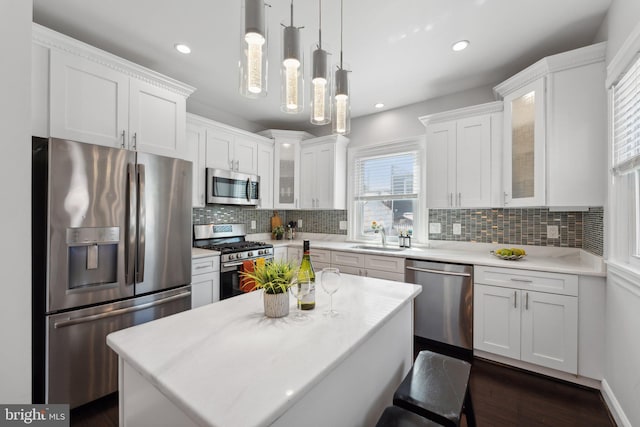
{"x": 625, "y": 156}
{"x": 385, "y": 189}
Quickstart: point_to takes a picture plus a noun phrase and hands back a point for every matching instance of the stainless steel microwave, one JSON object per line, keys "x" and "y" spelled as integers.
{"x": 232, "y": 188}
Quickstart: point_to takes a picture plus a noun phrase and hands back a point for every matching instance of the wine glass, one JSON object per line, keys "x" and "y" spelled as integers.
{"x": 300, "y": 288}
{"x": 330, "y": 281}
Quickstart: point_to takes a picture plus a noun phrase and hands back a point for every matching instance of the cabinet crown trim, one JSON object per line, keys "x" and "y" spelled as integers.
{"x": 53, "y": 40}
{"x": 624, "y": 57}
{"x": 286, "y": 134}
{"x": 461, "y": 113}
{"x": 196, "y": 120}
{"x": 335, "y": 139}
{"x": 552, "y": 64}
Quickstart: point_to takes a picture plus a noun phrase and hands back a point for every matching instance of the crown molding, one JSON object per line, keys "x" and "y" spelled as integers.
{"x": 624, "y": 57}
{"x": 294, "y": 135}
{"x": 53, "y": 40}
{"x": 552, "y": 64}
{"x": 203, "y": 121}
{"x": 337, "y": 139}
{"x": 461, "y": 113}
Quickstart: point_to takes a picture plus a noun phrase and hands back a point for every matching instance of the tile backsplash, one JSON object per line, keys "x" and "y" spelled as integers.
{"x": 313, "y": 221}
{"x": 526, "y": 226}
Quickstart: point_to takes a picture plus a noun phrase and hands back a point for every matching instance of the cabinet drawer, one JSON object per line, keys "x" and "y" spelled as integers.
{"x": 347, "y": 258}
{"x": 382, "y": 274}
{"x": 554, "y": 283}
{"x": 385, "y": 263}
{"x": 205, "y": 265}
{"x": 320, "y": 256}
{"x": 346, "y": 269}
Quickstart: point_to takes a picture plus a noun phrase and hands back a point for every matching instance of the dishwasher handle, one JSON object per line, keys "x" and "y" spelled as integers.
{"x": 446, "y": 273}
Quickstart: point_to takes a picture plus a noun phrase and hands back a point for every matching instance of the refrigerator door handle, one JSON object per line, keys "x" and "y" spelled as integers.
{"x": 130, "y": 248}
{"x": 141, "y": 224}
{"x": 118, "y": 312}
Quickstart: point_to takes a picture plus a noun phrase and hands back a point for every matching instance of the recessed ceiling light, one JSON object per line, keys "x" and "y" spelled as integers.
{"x": 183, "y": 48}
{"x": 379, "y": 105}
{"x": 461, "y": 45}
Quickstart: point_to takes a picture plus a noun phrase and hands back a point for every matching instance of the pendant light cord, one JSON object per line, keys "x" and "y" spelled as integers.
{"x": 320, "y": 24}
{"x": 341, "y": 18}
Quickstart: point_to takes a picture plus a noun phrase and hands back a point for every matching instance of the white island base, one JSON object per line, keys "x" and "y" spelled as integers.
{"x": 227, "y": 365}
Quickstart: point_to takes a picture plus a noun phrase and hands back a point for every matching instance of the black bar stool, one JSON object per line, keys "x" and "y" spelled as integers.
{"x": 437, "y": 388}
{"x": 394, "y": 416}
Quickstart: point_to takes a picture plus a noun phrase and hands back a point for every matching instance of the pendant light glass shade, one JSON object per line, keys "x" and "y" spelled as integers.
{"x": 292, "y": 86}
{"x": 341, "y": 121}
{"x": 253, "y": 49}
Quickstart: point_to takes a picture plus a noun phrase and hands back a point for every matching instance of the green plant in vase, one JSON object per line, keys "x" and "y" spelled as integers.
{"x": 275, "y": 278}
{"x": 278, "y": 232}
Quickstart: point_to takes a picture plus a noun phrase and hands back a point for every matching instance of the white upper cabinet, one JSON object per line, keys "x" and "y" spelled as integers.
{"x": 231, "y": 150}
{"x": 265, "y": 172}
{"x": 463, "y": 157}
{"x": 323, "y": 172}
{"x": 98, "y": 98}
{"x": 286, "y": 171}
{"x": 196, "y": 153}
{"x": 555, "y": 139}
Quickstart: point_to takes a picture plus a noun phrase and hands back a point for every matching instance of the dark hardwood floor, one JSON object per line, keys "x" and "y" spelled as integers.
{"x": 502, "y": 397}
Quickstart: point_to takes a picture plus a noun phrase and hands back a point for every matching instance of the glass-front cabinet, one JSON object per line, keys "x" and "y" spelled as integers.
{"x": 286, "y": 173}
{"x": 524, "y": 146}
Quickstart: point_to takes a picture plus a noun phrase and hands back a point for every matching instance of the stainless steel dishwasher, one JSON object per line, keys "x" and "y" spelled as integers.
{"x": 444, "y": 308}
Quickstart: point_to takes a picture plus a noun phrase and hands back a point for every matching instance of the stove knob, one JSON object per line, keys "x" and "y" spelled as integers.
{"x": 251, "y": 254}
{"x": 231, "y": 256}
{"x": 239, "y": 256}
{"x": 260, "y": 252}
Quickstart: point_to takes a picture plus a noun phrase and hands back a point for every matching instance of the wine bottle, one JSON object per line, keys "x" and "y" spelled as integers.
{"x": 308, "y": 302}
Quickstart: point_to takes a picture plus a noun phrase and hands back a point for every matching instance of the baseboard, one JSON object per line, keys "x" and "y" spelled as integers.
{"x": 614, "y": 407}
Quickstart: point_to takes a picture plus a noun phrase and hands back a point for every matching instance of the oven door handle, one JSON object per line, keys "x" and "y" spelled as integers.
{"x": 233, "y": 264}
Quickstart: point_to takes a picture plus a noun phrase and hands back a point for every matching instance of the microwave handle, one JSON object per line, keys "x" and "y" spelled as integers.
{"x": 247, "y": 188}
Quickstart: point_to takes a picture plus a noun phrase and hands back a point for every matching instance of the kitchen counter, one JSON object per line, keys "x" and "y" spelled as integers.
{"x": 540, "y": 258}
{"x": 226, "y": 364}
{"x": 201, "y": 253}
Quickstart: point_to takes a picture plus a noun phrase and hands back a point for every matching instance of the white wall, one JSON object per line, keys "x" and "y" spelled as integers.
{"x": 621, "y": 383}
{"x": 403, "y": 122}
{"x": 15, "y": 214}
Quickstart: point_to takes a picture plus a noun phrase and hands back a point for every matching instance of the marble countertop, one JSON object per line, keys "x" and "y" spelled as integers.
{"x": 201, "y": 253}
{"x": 227, "y": 364}
{"x": 551, "y": 259}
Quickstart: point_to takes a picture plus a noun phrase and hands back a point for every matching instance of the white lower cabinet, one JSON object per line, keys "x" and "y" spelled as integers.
{"x": 205, "y": 280}
{"x": 280, "y": 253}
{"x": 377, "y": 266}
{"x": 522, "y": 323}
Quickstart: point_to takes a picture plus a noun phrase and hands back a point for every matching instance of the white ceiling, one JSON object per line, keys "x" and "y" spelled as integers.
{"x": 399, "y": 51}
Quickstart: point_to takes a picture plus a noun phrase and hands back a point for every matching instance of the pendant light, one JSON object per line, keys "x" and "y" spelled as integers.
{"x": 320, "y": 80}
{"x": 253, "y": 51}
{"x": 342, "y": 104}
{"x": 292, "y": 86}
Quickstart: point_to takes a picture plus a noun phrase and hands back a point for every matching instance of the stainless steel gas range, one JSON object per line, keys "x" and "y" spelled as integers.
{"x": 236, "y": 252}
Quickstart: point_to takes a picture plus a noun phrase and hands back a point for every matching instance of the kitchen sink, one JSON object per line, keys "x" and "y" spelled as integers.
{"x": 378, "y": 248}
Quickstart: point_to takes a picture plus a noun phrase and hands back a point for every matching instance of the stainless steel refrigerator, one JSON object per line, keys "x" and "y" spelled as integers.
{"x": 111, "y": 235}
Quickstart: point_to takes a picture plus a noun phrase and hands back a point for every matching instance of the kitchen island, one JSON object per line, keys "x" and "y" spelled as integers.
{"x": 226, "y": 364}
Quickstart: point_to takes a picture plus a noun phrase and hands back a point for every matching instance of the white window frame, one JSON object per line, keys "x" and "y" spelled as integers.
{"x": 623, "y": 225}
{"x": 404, "y": 145}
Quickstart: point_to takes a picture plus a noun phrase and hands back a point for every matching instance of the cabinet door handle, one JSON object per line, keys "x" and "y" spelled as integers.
{"x": 526, "y": 301}
{"x": 230, "y": 164}
{"x": 122, "y": 135}
{"x": 237, "y": 165}
{"x": 504, "y": 196}
{"x": 515, "y": 299}
{"x": 135, "y": 140}
{"x": 459, "y": 199}
{"x": 513, "y": 279}
{"x": 450, "y": 199}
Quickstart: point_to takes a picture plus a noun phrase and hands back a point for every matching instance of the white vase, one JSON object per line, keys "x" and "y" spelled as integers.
{"x": 276, "y": 305}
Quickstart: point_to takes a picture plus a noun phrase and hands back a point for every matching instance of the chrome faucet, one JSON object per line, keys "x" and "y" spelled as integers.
{"x": 383, "y": 235}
